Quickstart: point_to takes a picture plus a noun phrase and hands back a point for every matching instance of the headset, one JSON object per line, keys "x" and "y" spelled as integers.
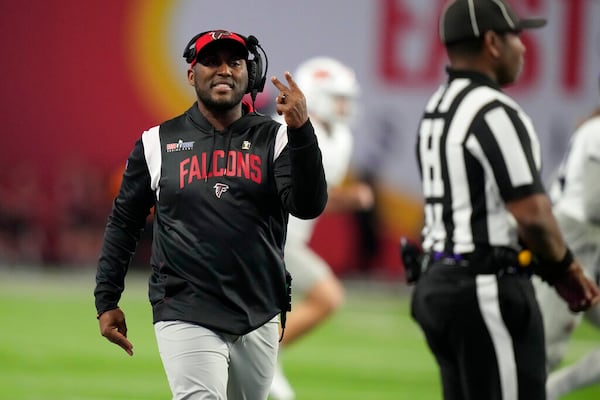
{"x": 257, "y": 71}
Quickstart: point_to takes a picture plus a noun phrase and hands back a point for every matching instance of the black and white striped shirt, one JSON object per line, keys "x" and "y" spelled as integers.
{"x": 476, "y": 150}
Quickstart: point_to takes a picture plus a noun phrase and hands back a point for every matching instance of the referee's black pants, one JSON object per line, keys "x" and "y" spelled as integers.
{"x": 485, "y": 331}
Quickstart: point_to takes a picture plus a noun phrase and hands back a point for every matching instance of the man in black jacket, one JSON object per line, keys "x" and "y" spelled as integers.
{"x": 222, "y": 180}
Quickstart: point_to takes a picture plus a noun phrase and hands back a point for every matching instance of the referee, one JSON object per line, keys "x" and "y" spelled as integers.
{"x": 479, "y": 159}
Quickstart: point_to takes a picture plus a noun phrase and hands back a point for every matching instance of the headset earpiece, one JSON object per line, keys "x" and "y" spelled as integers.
{"x": 252, "y": 75}
{"x": 257, "y": 73}
{"x": 189, "y": 53}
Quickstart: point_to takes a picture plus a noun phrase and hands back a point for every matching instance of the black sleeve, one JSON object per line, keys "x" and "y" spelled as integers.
{"x": 299, "y": 174}
{"x": 125, "y": 224}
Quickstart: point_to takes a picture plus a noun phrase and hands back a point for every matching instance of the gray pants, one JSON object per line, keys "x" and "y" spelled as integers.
{"x": 206, "y": 365}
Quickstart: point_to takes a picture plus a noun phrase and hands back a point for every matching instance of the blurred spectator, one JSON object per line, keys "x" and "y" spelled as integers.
{"x": 82, "y": 205}
{"x": 369, "y": 228}
{"x": 21, "y": 234}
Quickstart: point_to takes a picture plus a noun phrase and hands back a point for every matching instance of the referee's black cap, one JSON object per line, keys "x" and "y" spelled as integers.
{"x": 468, "y": 19}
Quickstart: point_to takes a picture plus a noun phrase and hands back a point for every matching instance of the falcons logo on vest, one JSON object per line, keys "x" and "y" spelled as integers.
{"x": 220, "y": 188}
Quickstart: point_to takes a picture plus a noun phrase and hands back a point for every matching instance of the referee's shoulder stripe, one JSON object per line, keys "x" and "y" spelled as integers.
{"x": 441, "y": 101}
{"x": 480, "y": 97}
{"x": 434, "y": 100}
{"x": 467, "y": 111}
{"x": 506, "y": 136}
{"x": 471, "y": 106}
{"x": 454, "y": 90}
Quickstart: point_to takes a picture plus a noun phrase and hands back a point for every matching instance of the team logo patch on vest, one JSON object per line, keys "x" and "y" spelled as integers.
{"x": 179, "y": 146}
{"x": 220, "y": 188}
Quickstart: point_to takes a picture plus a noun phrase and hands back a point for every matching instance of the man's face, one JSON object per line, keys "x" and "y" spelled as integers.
{"x": 220, "y": 77}
{"x": 511, "y": 59}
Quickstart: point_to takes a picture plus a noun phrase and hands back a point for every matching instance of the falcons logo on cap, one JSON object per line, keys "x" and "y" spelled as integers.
{"x": 220, "y": 188}
{"x": 216, "y": 35}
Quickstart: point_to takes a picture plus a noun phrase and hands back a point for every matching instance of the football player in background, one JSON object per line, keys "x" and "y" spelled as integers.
{"x": 331, "y": 91}
{"x": 576, "y": 196}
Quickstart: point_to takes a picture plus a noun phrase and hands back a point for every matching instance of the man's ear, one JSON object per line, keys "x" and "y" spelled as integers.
{"x": 190, "y": 74}
{"x": 492, "y": 42}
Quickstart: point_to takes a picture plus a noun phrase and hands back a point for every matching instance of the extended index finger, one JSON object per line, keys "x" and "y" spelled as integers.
{"x": 278, "y": 84}
{"x": 290, "y": 80}
{"x": 121, "y": 340}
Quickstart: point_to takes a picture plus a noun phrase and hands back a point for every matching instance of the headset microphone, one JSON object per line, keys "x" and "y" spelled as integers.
{"x": 257, "y": 72}
{"x": 252, "y": 40}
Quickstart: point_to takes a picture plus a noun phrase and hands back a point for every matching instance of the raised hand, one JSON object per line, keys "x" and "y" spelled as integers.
{"x": 290, "y": 102}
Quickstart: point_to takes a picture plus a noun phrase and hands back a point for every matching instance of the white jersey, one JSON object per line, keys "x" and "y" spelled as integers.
{"x": 576, "y": 192}
{"x": 576, "y": 197}
{"x": 336, "y": 149}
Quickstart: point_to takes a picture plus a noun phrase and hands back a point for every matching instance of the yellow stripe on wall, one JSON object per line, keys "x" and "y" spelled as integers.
{"x": 154, "y": 75}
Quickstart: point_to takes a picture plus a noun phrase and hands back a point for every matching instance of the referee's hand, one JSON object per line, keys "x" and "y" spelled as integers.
{"x": 576, "y": 289}
{"x": 113, "y": 327}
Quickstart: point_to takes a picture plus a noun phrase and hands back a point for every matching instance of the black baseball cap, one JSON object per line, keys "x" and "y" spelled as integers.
{"x": 467, "y": 19}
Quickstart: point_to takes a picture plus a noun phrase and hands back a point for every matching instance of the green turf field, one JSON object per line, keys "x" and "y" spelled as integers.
{"x": 50, "y": 348}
